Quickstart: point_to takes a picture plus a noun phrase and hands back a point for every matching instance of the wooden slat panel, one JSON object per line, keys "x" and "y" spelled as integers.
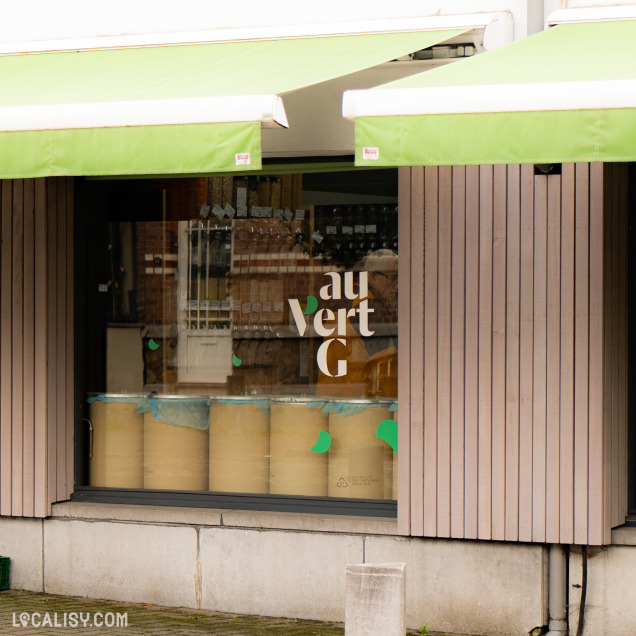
{"x": 430, "y": 350}
{"x": 6, "y": 349}
{"x": 28, "y": 369}
{"x": 616, "y": 346}
{"x": 618, "y": 184}
{"x": 553, "y": 369}
{"x": 70, "y": 338}
{"x": 52, "y": 348}
{"x": 614, "y": 184}
{"x": 513, "y": 260}
{"x": 471, "y": 387}
{"x": 31, "y": 285}
{"x": 417, "y": 357}
{"x": 599, "y": 523}
{"x": 615, "y": 255}
{"x": 444, "y": 351}
{"x": 623, "y": 180}
{"x": 610, "y": 317}
{"x": 499, "y": 354}
{"x": 540, "y": 358}
{"x": 484, "y": 519}
{"x": 18, "y": 343}
{"x": 616, "y": 354}
{"x": 41, "y": 503}
{"x": 566, "y": 432}
{"x": 526, "y": 352}
{"x": 458, "y": 351}
{"x": 581, "y": 347}
{"x": 60, "y": 361}
{"x": 527, "y": 304}
{"x": 406, "y": 212}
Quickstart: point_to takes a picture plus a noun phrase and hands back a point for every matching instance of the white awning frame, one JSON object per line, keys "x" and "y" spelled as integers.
{"x": 591, "y": 14}
{"x": 267, "y": 109}
{"x": 495, "y": 98}
{"x": 494, "y": 29}
{"x": 492, "y": 98}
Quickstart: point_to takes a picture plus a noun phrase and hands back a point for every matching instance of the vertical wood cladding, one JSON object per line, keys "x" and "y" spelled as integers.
{"x": 515, "y": 325}
{"x": 518, "y": 402}
{"x": 36, "y": 345}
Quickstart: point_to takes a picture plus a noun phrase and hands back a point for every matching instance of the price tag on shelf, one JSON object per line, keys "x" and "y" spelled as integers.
{"x": 229, "y": 211}
{"x": 288, "y": 215}
{"x": 204, "y": 211}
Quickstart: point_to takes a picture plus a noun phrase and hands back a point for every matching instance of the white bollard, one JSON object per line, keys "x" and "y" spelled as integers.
{"x": 375, "y": 601}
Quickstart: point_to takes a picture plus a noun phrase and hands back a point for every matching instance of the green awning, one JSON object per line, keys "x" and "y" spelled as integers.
{"x": 178, "y": 109}
{"x": 567, "y": 94}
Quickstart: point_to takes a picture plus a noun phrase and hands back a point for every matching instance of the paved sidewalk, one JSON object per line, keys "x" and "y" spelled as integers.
{"x": 39, "y": 614}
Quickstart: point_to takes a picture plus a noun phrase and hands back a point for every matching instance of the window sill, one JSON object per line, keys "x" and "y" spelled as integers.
{"x": 253, "y": 519}
{"x": 625, "y": 535}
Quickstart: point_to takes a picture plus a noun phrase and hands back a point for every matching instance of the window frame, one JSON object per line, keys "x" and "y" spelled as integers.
{"x": 87, "y": 195}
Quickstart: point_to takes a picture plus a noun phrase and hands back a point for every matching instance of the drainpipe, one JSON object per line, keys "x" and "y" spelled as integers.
{"x": 557, "y": 590}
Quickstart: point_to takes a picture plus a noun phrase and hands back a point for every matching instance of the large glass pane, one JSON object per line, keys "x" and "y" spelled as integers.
{"x": 241, "y": 334}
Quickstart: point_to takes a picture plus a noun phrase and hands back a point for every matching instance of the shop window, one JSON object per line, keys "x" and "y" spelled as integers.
{"x": 239, "y": 335}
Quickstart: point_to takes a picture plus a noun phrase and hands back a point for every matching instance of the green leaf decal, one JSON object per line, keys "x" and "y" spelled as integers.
{"x": 323, "y": 444}
{"x": 388, "y": 431}
{"x": 236, "y": 361}
{"x": 152, "y": 345}
{"x": 312, "y": 305}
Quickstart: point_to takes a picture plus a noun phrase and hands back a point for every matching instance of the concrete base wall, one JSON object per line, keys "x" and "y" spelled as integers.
{"x": 277, "y": 565}
{"x": 21, "y": 540}
{"x": 611, "y": 592}
{"x": 451, "y": 582}
{"x": 276, "y": 573}
{"x": 121, "y": 561}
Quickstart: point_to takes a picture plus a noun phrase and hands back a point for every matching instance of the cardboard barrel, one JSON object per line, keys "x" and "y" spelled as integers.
{"x": 356, "y": 458}
{"x": 394, "y": 489}
{"x": 388, "y": 457}
{"x": 175, "y": 456}
{"x": 295, "y": 469}
{"x": 390, "y": 468}
{"x": 118, "y": 443}
{"x": 239, "y": 447}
